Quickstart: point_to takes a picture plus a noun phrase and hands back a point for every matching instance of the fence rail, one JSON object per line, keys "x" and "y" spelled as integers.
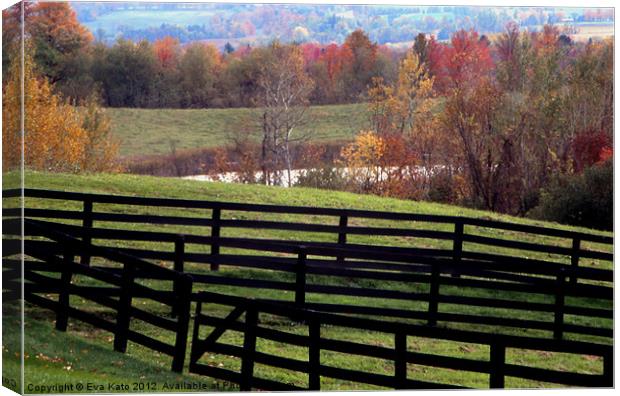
{"x": 121, "y": 287}
{"x": 550, "y": 283}
{"x": 415, "y": 286}
{"x": 496, "y": 366}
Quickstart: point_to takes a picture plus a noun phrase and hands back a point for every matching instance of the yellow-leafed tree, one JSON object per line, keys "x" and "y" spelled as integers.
{"x": 58, "y": 137}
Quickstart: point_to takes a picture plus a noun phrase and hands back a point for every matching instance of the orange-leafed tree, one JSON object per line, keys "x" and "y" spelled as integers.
{"x": 359, "y": 64}
{"x": 58, "y": 37}
{"x": 167, "y": 51}
{"x": 333, "y": 60}
{"x": 55, "y": 136}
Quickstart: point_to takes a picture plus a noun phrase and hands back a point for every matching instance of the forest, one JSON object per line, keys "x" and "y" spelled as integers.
{"x": 518, "y": 122}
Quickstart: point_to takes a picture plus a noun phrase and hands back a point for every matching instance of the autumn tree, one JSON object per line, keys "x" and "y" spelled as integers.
{"x": 588, "y": 91}
{"x": 167, "y": 51}
{"x": 359, "y": 64}
{"x": 405, "y": 115}
{"x": 513, "y": 51}
{"x": 101, "y": 146}
{"x": 199, "y": 68}
{"x": 477, "y": 116}
{"x": 487, "y": 139}
{"x": 60, "y": 42}
{"x": 284, "y": 89}
{"x": 167, "y": 89}
{"x": 56, "y": 137}
{"x": 11, "y": 32}
{"x": 465, "y": 60}
{"x": 379, "y": 164}
{"x": 363, "y": 159}
{"x": 59, "y": 39}
{"x": 327, "y": 69}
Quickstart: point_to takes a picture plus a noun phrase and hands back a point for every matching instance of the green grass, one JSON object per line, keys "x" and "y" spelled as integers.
{"x": 139, "y": 362}
{"x": 82, "y": 355}
{"x": 150, "y": 131}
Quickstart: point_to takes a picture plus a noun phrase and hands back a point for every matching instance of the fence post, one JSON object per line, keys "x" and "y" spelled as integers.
{"x": 314, "y": 351}
{"x": 196, "y": 350}
{"x": 574, "y": 259}
{"x": 498, "y": 359}
{"x": 558, "y": 322}
{"x": 183, "y": 304}
{"x": 215, "y": 235}
{"x": 124, "y": 307}
{"x": 342, "y": 235}
{"x": 457, "y": 247}
{"x": 87, "y": 224}
{"x": 249, "y": 349}
{"x": 300, "y": 278}
{"x": 400, "y": 360}
{"x": 608, "y": 368}
{"x": 179, "y": 257}
{"x": 433, "y": 298}
{"x": 62, "y": 315}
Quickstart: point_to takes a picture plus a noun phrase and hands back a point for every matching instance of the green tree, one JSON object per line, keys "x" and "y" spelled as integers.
{"x": 199, "y": 68}
{"x": 127, "y": 73}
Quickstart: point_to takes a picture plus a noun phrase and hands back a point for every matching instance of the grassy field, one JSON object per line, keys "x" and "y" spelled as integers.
{"x": 146, "y": 365}
{"x": 142, "y": 19}
{"x": 150, "y": 131}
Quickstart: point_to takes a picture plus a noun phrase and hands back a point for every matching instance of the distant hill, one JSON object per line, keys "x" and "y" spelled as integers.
{"x": 258, "y": 24}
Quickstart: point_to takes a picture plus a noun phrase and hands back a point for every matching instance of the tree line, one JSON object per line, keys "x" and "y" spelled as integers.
{"x": 166, "y": 74}
{"x": 513, "y": 125}
{"x": 519, "y": 123}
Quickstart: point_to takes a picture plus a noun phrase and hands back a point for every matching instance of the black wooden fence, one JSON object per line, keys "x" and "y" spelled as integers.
{"x": 121, "y": 288}
{"x": 425, "y": 278}
{"x": 554, "y": 285}
{"x": 496, "y": 366}
{"x": 342, "y": 226}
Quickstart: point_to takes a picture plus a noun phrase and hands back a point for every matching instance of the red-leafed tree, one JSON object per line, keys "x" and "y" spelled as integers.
{"x": 468, "y": 59}
{"x": 465, "y": 60}
{"x": 311, "y": 53}
{"x": 589, "y": 148}
{"x": 168, "y": 51}
{"x": 333, "y": 60}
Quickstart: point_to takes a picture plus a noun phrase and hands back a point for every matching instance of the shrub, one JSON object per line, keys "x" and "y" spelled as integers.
{"x": 325, "y": 178}
{"x": 441, "y": 188}
{"x": 583, "y": 200}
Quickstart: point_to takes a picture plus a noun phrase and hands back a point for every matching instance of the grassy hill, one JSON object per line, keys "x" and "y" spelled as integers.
{"x": 150, "y": 131}
{"x": 103, "y": 365}
{"x": 123, "y": 184}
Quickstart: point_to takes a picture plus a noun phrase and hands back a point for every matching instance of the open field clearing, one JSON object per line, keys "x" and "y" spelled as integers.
{"x": 151, "y": 131}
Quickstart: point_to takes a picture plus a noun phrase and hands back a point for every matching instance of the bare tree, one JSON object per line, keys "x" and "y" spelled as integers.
{"x": 284, "y": 89}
